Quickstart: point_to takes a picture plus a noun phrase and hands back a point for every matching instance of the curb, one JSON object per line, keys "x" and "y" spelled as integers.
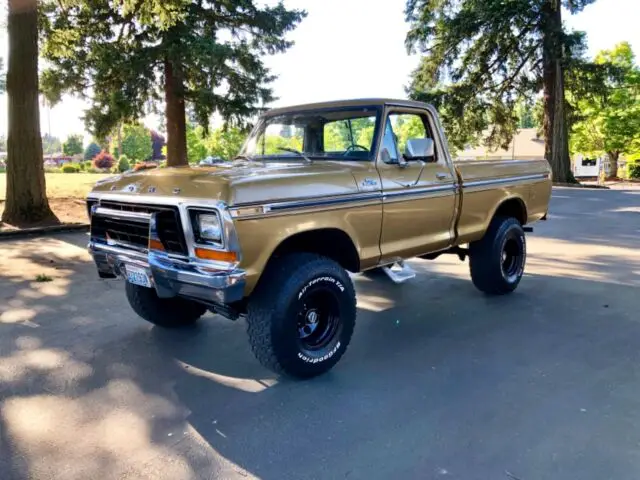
{"x": 581, "y": 186}
{"x": 27, "y": 232}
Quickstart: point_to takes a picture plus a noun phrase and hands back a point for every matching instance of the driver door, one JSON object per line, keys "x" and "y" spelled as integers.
{"x": 419, "y": 196}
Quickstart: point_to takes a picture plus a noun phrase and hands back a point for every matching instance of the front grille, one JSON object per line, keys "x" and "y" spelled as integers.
{"x": 136, "y": 234}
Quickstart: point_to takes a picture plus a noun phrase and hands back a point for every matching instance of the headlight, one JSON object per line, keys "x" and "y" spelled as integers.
{"x": 209, "y": 227}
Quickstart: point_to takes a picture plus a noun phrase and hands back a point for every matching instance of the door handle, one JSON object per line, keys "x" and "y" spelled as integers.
{"x": 442, "y": 176}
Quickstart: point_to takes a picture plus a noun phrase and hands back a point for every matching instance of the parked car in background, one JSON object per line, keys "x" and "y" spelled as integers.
{"x": 210, "y": 161}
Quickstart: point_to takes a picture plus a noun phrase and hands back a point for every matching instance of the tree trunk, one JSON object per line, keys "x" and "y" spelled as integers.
{"x": 176, "y": 115}
{"x": 26, "y": 202}
{"x": 555, "y": 122}
{"x": 613, "y": 164}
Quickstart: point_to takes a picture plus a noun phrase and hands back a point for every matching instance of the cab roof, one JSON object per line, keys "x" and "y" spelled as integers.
{"x": 360, "y": 102}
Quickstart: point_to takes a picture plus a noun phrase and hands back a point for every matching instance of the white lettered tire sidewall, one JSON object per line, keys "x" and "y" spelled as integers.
{"x": 294, "y": 353}
{"x": 275, "y": 309}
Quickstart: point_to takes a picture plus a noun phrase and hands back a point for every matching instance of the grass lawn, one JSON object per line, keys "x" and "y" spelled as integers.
{"x": 66, "y": 193}
{"x": 62, "y": 185}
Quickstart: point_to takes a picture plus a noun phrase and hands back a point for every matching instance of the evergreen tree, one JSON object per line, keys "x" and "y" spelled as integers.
{"x": 128, "y": 54}
{"x": 92, "y": 150}
{"x": 484, "y": 56}
{"x": 26, "y": 189}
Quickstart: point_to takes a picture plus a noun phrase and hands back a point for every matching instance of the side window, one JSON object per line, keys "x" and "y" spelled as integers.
{"x": 406, "y": 126}
{"x": 389, "y": 144}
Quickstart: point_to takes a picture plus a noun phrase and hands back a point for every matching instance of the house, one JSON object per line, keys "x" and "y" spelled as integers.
{"x": 526, "y": 145}
{"x": 56, "y": 160}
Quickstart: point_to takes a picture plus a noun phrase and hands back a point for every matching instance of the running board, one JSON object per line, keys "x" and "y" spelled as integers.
{"x": 399, "y": 272}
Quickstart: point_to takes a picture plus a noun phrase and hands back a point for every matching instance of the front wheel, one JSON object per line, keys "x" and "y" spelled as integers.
{"x": 302, "y": 315}
{"x": 497, "y": 260}
{"x": 164, "y": 312}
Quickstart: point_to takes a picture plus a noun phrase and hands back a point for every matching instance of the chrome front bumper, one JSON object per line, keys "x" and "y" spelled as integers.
{"x": 172, "y": 277}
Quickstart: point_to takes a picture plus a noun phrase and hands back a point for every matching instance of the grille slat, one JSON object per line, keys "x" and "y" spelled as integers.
{"x": 168, "y": 225}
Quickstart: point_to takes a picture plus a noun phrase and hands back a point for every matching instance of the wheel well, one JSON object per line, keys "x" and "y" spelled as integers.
{"x": 514, "y": 207}
{"x": 329, "y": 242}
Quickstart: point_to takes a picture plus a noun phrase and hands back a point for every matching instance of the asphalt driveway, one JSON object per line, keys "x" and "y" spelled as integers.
{"x": 439, "y": 382}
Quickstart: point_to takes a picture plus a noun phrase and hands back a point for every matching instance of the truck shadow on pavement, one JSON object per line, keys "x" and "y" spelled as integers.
{"x": 435, "y": 372}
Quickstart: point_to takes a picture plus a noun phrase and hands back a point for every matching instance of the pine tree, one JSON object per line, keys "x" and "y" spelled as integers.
{"x": 482, "y": 57}
{"x": 125, "y": 55}
{"x": 26, "y": 189}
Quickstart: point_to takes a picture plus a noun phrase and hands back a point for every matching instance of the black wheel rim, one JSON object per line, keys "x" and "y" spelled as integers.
{"x": 318, "y": 319}
{"x": 511, "y": 259}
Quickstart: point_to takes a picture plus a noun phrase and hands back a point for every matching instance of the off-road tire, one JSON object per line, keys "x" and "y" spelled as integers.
{"x": 164, "y": 312}
{"x": 487, "y": 261}
{"x": 279, "y": 301}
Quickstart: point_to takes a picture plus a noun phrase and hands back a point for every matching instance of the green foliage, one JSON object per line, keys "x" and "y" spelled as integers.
{"x": 92, "y": 150}
{"x": 406, "y": 127}
{"x": 70, "y": 168}
{"x": 73, "y": 145}
{"x": 52, "y": 170}
{"x": 196, "y": 148}
{"x": 42, "y": 278}
{"x": 607, "y": 117}
{"x": 225, "y": 142}
{"x": 526, "y": 114}
{"x": 481, "y": 59}
{"x": 51, "y": 144}
{"x": 117, "y": 53}
{"x": 337, "y": 135}
{"x": 634, "y": 170}
{"x": 103, "y": 161}
{"x": 136, "y": 142}
{"x": 123, "y": 164}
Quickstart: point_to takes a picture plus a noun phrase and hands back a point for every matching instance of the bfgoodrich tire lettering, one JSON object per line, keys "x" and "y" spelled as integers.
{"x": 497, "y": 261}
{"x": 302, "y": 315}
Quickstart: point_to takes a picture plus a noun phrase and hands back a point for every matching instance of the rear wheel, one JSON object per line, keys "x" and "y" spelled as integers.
{"x": 497, "y": 261}
{"x": 164, "y": 312}
{"x": 302, "y": 315}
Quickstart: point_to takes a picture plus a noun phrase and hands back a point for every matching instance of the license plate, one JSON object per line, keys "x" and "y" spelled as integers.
{"x": 137, "y": 276}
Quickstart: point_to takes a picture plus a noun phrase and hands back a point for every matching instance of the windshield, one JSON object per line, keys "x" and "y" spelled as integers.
{"x": 319, "y": 134}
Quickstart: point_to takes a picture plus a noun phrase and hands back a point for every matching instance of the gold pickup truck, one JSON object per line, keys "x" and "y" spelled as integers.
{"x": 317, "y": 191}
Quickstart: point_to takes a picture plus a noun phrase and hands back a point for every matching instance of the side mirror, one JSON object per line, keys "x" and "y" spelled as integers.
{"x": 420, "y": 149}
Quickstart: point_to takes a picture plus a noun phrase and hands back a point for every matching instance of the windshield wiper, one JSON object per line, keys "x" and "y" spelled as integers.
{"x": 298, "y": 152}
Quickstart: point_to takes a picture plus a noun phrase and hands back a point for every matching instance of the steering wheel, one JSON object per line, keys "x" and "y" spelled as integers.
{"x": 353, "y": 147}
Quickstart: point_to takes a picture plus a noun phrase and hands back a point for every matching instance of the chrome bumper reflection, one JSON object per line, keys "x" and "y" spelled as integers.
{"x": 171, "y": 277}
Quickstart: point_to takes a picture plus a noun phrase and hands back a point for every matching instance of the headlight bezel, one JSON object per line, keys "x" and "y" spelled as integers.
{"x": 199, "y": 239}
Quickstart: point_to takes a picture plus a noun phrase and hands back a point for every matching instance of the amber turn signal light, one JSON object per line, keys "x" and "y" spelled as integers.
{"x": 217, "y": 255}
{"x": 155, "y": 245}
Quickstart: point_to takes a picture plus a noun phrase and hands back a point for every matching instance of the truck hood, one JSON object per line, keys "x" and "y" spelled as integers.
{"x": 240, "y": 182}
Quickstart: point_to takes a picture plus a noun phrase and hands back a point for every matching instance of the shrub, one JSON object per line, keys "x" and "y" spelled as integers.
{"x": 123, "y": 164}
{"x": 634, "y": 170}
{"x": 51, "y": 170}
{"x": 3, "y": 169}
{"x": 103, "y": 161}
{"x": 70, "y": 168}
{"x": 92, "y": 151}
{"x": 93, "y": 170}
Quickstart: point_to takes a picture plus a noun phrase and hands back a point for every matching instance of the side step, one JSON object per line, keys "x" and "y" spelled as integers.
{"x": 399, "y": 272}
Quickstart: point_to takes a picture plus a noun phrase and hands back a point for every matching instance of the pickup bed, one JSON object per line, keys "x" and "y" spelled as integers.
{"x": 317, "y": 191}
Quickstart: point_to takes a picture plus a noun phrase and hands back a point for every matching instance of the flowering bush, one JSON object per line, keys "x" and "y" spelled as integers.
{"x": 103, "y": 161}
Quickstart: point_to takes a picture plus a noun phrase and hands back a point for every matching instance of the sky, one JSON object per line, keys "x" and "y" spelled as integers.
{"x": 355, "y": 49}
